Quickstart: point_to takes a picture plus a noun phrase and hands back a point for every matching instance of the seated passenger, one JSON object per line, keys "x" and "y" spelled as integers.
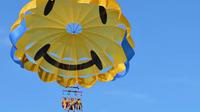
{"x": 64, "y": 103}
{"x": 72, "y": 105}
{"x": 79, "y": 105}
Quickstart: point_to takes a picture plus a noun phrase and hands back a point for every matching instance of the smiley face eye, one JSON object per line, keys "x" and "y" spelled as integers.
{"x": 103, "y": 14}
{"x": 49, "y": 7}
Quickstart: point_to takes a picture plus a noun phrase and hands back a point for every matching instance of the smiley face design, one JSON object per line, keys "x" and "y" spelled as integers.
{"x": 72, "y": 41}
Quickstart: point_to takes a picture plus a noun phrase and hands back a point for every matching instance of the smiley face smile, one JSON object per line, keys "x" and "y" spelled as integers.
{"x": 42, "y": 52}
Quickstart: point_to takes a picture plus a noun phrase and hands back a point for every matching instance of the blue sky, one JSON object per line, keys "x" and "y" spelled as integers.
{"x": 164, "y": 74}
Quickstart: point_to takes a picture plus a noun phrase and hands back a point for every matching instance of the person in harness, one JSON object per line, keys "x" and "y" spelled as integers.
{"x": 79, "y": 104}
{"x": 64, "y": 103}
{"x": 72, "y": 104}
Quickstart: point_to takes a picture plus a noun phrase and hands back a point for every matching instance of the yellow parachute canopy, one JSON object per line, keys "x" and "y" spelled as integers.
{"x": 73, "y": 41}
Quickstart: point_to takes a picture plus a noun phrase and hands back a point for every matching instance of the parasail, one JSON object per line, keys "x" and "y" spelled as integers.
{"x": 73, "y": 42}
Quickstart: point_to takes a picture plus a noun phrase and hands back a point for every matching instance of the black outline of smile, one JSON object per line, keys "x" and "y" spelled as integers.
{"x": 43, "y": 53}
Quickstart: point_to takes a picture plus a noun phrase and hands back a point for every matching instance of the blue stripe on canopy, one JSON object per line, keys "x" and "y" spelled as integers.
{"x": 12, "y": 55}
{"x": 129, "y": 55}
{"x": 15, "y": 35}
{"x": 127, "y": 48}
